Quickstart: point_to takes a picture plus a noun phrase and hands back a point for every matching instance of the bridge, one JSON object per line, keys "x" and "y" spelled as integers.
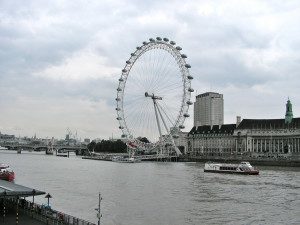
{"x": 43, "y": 147}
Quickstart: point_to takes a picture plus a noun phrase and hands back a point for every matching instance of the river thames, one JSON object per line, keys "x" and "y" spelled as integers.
{"x": 156, "y": 193}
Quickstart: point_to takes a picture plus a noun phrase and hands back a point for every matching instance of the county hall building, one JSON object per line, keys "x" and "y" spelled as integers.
{"x": 250, "y": 137}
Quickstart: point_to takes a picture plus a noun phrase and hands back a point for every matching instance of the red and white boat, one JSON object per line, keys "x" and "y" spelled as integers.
{"x": 6, "y": 173}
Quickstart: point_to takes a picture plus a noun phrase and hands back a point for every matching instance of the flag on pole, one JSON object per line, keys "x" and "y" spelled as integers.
{"x": 131, "y": 145}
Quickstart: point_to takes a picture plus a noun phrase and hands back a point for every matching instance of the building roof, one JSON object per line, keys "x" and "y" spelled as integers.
{"x": 9, "y": 189}
{"x": 268, "y": 124}
{"x": 207, "y": 94}
{"x": 216, "y": 129}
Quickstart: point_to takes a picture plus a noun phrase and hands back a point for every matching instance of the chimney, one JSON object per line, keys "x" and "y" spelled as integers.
{"x": 238, "y": 120}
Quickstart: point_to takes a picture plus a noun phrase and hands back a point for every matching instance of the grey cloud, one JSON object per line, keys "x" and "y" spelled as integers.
{"x": 36, "y": 35}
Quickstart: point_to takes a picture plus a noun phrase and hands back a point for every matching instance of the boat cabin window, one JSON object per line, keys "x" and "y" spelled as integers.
{"x": 227, "y": 168}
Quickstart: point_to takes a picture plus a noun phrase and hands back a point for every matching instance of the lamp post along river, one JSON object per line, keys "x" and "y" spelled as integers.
{"x": 99, "y": 215}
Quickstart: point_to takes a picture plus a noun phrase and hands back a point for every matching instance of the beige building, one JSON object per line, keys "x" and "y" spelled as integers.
{"x": 270, "y": 137}
{"x": 211, "y": 140}
{"x": 265, "y": 138}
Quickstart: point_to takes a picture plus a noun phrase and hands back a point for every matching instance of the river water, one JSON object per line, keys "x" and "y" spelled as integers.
{"x": 154, "y": 193}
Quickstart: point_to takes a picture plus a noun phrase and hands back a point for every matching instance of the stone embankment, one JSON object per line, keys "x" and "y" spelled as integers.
{"x": 262, "y": 161}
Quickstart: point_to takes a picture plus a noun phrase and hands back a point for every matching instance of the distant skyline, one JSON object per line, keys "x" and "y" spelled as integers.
{"x": 60, "y": 60}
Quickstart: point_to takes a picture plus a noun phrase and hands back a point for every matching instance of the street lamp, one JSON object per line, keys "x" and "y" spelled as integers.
{"x": 48, "y": 196}
{"x": 99, "y": 215}
{"x": 33, "y": 194}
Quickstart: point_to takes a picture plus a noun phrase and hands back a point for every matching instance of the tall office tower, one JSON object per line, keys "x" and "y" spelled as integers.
{"x": 209, "y": 109}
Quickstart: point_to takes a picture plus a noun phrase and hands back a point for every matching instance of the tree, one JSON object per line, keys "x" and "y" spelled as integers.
{"x": 111, "y": 146}
{"x": 91, "y": 146}
{"x": 143, "y": 139}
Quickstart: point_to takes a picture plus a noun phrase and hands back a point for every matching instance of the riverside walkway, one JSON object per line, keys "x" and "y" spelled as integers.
{"x": 16, "y": 210}
{"x": 23, "y": 212}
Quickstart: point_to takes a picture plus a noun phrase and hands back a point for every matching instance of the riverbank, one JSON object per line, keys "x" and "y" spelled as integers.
{"x": 254, "y": 161}
{"x": 286, "y": 162}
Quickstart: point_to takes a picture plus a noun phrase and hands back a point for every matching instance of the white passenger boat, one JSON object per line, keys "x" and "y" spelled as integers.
{"x": 241, "y": 168}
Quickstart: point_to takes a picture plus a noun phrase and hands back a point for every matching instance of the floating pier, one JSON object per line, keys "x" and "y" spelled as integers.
{"x": 108, "y": 157}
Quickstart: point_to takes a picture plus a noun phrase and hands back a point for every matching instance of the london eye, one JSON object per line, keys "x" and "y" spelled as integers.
{"x": 153, "y": 95}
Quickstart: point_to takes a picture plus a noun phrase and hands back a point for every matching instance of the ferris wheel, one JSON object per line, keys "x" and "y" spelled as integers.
{"x": 153, "y": 95}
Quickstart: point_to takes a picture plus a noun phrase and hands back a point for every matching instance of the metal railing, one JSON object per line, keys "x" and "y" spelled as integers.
{"x": 49, "y": 216}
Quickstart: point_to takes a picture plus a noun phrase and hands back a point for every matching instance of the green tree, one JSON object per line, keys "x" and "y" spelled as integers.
{"x": 111, "y": 146}
{"x": 91, "y": 146}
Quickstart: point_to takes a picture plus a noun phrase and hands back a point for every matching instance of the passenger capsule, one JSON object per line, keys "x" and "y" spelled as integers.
{"x": 188, "y": 66}
{"x": 119, "y": 89}
{"x": 138, "y": 47}
{"x": 190, "y": 77}
{"x": 123, "y": 135}
{"x": 175, "y": 136}
{"x": 120, "y": 127}
{"x": 119, "y": 118}
{"x": 186, "y": 115}
{"x": 132, "y": 54}
{"x": 124, "y": 70}
{"x": 183, "y": 56}
{"x": 191, "y": 90}
{"x": 178, "y": 48}
{"x": 172, "y": 42}
{"x": 128, "y": 62}
{"x": 118, "y": 99}
{"x": 151, "y": 40}
{"x": 121, "y": 79}
{"x": 158, "y": 38}
{"x": 118, "y": 109}
{"x": 166, "y": 39}
{"x": 189, "y": 103}
{"x": 145, "y": 43}
{"x": 181, "y": 127}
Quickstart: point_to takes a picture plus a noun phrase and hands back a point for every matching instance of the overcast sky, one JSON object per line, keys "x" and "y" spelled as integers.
{"x": 60, "y": 60}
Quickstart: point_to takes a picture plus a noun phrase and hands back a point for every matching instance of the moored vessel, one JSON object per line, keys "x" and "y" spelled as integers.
{"x": 241, "y": 168}
{"x": 6, "y": 173}
{"x": 62, "y": 153}
{"x": 121, "y": 159}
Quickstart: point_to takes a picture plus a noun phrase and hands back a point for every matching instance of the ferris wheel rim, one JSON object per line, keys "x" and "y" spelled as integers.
{"x": 174, "y": 51}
